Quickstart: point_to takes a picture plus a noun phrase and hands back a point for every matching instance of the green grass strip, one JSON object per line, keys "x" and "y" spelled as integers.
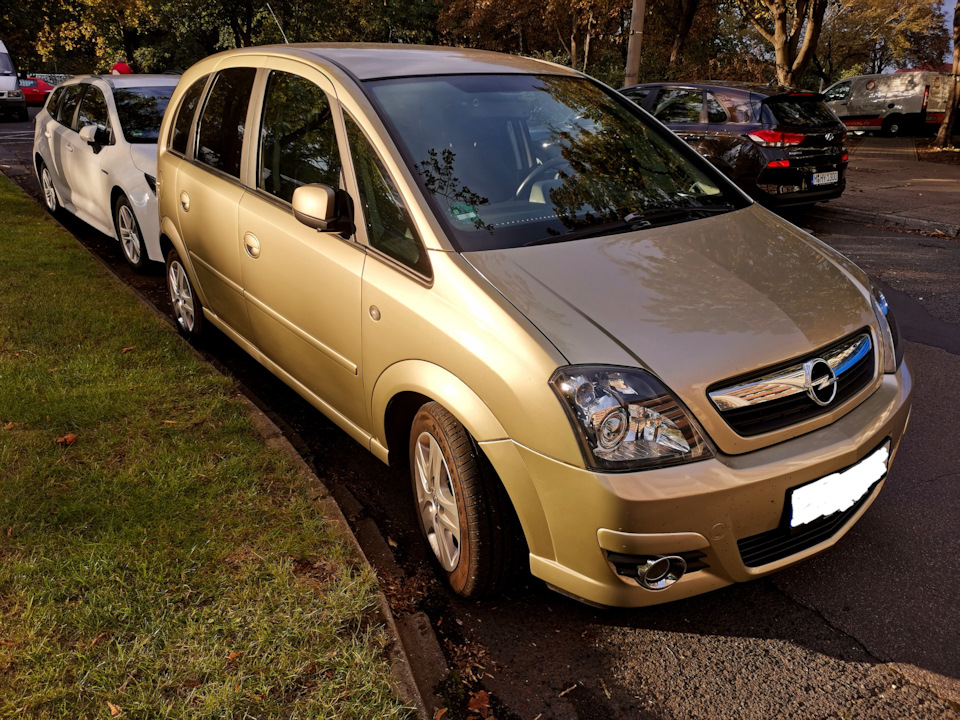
{"x": 166, "y": 563}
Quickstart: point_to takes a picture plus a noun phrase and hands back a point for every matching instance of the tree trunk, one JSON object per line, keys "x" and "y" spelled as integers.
{"x": 687, "y": 13}
{"x": 635, "y": 43}
{"x": 949, "y": 117}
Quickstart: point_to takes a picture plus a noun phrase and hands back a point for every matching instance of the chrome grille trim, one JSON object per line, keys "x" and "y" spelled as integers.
{"x": 791, "y": 380}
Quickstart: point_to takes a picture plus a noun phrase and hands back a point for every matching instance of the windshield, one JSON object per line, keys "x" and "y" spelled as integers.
{"x": 6, "y": 64}
{"x": 511, "y": 160}
{"x": 140, "y": 110}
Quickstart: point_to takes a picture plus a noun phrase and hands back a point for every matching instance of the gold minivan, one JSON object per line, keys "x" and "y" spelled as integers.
{"x": 600, "y": 360}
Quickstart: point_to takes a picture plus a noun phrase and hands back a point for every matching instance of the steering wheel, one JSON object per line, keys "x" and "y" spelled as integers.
{"x": 547, "y": 168}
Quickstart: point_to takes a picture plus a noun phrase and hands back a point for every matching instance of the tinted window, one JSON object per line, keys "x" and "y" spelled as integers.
{"x": 837, "y": 92}
{"x": 389, "y": 228}
{"x": 298, "y": 143}
{"x": 93, "y": 110}
{"x": 638, "y": 95}
{"x": 53, "y": 101}
{"x": 188, "y": 107}
{"x": 140, "y": 110}
{"x": 677, "y": 106}
{"x": 738, "y": 105}
{"x": 220, "y": 135}
{"x": 806, "y": 111}
{"x": 507, "y": 160}
{"x": 715, "y": 111}
{"x": 68, "y": 104}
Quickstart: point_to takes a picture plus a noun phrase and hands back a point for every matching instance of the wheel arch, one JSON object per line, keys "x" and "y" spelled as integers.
{"x": 170, "y": 240}
{"x": 403, "y": 388}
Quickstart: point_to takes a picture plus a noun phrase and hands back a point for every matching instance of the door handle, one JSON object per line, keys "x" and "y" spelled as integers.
{"x": 252, "y": 245}
{"x": 185, "y": 201}
{"x": 69, "y": 147}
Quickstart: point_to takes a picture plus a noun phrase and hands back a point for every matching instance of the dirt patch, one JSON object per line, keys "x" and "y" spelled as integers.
{"x": 926, "y": 152}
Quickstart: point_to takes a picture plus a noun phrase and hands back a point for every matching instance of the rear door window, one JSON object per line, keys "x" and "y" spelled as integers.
{"x": 678, "y": 106}
{"x": 715, "y": 111}
{"x": 840, "y": 91}
{"x": 224, "y": 119}
{"x": 69, "y": 103}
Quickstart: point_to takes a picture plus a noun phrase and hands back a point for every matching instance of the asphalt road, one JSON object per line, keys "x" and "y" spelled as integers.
{"x": 868, "y": 629}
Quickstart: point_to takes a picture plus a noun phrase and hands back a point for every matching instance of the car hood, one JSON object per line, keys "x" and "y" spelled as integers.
{"x": 144, "y": 157}
{"x": 695, "y": 303}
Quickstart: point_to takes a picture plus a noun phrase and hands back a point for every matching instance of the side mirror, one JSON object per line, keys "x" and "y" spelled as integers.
{"x": 323, "y": 208}
{"x": 88, "y": 133}
{"x": 94, "y": 136}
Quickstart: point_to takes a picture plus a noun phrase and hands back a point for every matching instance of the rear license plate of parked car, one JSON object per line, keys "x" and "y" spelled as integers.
{"x": 839, "y": 491}
{"x": 826, "y": 178}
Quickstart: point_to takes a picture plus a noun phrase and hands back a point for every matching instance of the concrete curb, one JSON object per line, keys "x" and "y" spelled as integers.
{"x": 884, "y": 220}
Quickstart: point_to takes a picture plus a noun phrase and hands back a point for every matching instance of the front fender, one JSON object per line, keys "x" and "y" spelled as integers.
{"x": 436, "y": 383}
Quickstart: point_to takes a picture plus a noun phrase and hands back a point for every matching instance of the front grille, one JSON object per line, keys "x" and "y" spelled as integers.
{"x": 776, "y": 398}
{"x": 773, "y": 545}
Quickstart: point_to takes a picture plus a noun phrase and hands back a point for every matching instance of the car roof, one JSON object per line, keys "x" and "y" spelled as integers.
{"x": 129, "y": 80}
{"x": 755, "y": 88}
{"x": 369, "y": 61}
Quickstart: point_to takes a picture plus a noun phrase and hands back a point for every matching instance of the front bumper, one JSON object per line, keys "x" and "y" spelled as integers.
{"x": 575, "y": 518}
{"x": 12, "y": 104}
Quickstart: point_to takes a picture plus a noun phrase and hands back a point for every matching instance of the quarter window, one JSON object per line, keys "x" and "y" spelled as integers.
{"x": 224, "y": 117}
{"x": 188, "y": 108}
{"x": 298, "y": 143}
{"x": 389, "y": 227}
{"x": 715, "y": 111}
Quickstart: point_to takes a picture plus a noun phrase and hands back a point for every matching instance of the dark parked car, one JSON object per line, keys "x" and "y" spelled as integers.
{"x": 781, "y": 146}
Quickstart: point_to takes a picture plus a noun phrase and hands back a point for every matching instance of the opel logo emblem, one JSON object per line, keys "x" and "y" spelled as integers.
{"x": 819, "y": 381}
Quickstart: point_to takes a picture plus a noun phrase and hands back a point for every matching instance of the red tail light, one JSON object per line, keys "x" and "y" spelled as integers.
{"x": 774, "y": 138}
{"x": 778, "y": 163}
{"x": 844, "y": 157}
{"x": 926, "y": 97}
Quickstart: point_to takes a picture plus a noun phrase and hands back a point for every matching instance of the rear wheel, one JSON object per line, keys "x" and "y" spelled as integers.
{"x": 462, "y": 509}
{"x": 128, "y": 232}
{"x": 893, "y": 126}
{"x": 187, "y": 310}
{"x": 49, "y": 192}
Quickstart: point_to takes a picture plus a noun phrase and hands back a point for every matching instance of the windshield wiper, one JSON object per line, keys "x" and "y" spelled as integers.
{"x": 639, "y": 221}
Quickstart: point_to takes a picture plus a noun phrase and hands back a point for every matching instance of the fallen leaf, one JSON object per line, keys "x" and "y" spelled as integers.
{"x": 127, "y": 349}
{"x": 98, "y": 638}
{"x": 10, "y": 426}
{"x": 391, "y": 542}
{"x": 234, "y": 655}
{"x": 9, "y": 532}
{"x": 114, "y": 709}
{"x": 440, "y": 713}
{"x": 479, "y": 700}
{"x": 68, "y": 439}
{"x": 169, "y": 422}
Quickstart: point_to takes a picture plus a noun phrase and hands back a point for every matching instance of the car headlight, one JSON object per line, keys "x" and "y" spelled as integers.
{"x": 890, "y": 332}
{"x": 626, "y": 419}
{"x": 15, "y": 94}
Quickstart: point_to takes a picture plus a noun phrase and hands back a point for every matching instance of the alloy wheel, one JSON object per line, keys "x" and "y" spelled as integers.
{"x": 437, "y": 501}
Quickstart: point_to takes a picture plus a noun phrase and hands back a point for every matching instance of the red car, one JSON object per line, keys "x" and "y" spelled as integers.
{"x": 35, "y": 90}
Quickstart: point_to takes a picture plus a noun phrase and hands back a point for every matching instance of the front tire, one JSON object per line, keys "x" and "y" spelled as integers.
{"x": 50, "y": 200}
{"x": 129, "y": 235}
{"x": 186, "y": 306}
{"x": 462, "y": 509}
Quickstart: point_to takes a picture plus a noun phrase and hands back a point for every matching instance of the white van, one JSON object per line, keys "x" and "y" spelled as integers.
{"x": 892, "y": 103}
{"x": 12, "y": 101}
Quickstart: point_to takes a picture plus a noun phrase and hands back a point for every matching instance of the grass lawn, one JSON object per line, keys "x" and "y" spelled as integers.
{"x": 165, "y": 563}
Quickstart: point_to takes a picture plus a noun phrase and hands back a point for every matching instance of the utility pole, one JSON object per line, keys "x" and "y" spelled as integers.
{"x": 635, "y": 42}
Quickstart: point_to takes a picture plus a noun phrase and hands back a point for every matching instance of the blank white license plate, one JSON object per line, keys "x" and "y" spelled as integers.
{"x": 826, "y": 178}
{"x": 839, "y": 491}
